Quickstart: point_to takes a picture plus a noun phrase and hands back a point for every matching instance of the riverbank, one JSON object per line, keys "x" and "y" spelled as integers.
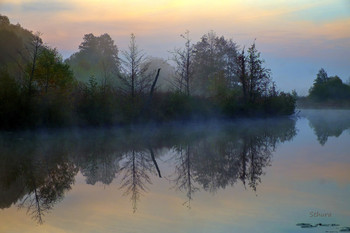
{"x": 90, "y": 109}
{"x": 307, "y": 103}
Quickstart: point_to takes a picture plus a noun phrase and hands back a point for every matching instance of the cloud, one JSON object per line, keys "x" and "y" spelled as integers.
{"x": 39, "y": 6}
{"x": 7, "y": 7}
{"x": 328, "y": 11}
{"x": 46, "y": 6}
{"x": 302, "y": 35}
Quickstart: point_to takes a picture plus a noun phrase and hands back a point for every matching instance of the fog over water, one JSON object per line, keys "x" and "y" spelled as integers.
{"x": 241, "y": 176}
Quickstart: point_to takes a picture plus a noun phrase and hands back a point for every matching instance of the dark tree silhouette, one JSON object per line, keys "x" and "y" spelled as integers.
{"x": 134, "y": 66}
{"x": 135, "y": 168}
{"x": 214, "y": 60}
{"x": 183, "y": 59}
{"x": 34, "y": 50}
{"x": 98, "y": 57}
{"x": 185, "y": 177}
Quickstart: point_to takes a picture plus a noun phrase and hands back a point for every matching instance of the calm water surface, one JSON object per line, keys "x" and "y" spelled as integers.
{"x": 271, "y": 175}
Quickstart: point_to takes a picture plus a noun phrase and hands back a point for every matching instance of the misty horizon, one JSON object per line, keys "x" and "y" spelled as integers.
{"x": 174, "y": 116}
{"x": 296, "y": 39}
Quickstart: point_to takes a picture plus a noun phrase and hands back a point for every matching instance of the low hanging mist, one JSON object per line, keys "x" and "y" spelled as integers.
{"x": 103, "y": 85}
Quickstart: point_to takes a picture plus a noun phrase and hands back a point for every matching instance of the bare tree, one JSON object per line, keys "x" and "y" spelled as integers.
{"x": 34, "y": 50}
{"x": 134, "y": 65}
{"x": 183, "y": 59}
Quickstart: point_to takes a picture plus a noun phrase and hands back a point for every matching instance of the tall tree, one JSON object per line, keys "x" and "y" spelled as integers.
{"x": 35, "y": 49}
{"x": 183, "y": 59}
{"x": 98, "y": 57}
{"x": 329, "y": 88}
{"x": 134, "y": 66}
{"x": 51, "y": 72}
{"x": 242, "y": 74}
{"x": 214, "y": 58}
{"x": 16, "y": 50}
{"x": 258, "y": 80}
{"x": 322, "y": 76}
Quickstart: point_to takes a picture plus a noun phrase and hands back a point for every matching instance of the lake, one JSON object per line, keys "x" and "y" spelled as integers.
{"x": 262, "y": 175}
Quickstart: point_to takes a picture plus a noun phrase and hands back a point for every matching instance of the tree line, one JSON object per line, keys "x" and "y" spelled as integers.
{"x": 327, "y": 92}
{"x": 101, "y": 85}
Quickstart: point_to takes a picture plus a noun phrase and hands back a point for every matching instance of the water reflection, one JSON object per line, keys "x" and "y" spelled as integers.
{"x": 35, "y": 175}
{"x": 237, "y": 152}
{"x": 136, "y": 169}
{"x": 327, "y": 123}
{"x": 37, "y": 170}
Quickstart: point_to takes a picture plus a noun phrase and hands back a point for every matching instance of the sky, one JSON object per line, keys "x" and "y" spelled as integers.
{"x": 296, "y": 38}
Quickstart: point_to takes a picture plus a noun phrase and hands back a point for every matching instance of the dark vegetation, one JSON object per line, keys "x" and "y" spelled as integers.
{"x": 327, "y": 92}
{"x": 95, "y": 86}
{"x": 39, "y": 169}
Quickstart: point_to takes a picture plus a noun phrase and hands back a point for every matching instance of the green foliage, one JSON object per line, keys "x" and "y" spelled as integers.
{"x": 4, "y": 20}
{"x": 322, "y": 76}
{"x": 96, "y": 104}
{"x": 329, "y": 88}
{"x": 52, "y": 110}
{"x": 219, "y": 86}
{"x": 51, "y": 74}
{"x": 213, "y": 56}
{"x": 281, "y": 104}
{"x": 258, "y": 77}
{"x": 326, "y": 92}
{"x": 38, "y": 89}
{"x": 9, "y": 49}
{"x": 97, "y": 56}
{"x": 13, "y": 53}
{"x": 177, "y": 106}
{"x": 232, "y": 104}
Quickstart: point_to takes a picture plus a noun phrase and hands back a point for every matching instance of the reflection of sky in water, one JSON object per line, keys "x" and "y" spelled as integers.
{"x": 305, "y": 176}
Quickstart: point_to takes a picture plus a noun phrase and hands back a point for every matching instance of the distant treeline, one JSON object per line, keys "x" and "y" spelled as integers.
{"x": 98, "y": 85}
{"x": 327, "y": 92}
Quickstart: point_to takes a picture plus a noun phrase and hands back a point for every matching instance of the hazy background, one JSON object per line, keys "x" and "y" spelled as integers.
{"x": 296, "y": 38}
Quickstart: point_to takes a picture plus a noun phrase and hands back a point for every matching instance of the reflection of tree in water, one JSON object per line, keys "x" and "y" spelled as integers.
{"x": 135, "y": 171}
{"x": 255, "y": 154}
{"x": 36, "y": 172}
{"x": 218, "y": 159}
{"x": 39, "y": 173}
{"x": 46, "y": 188}
{"x": 183, "y": 168}
{"x": 97, "y": 157}
{"x": 99, "y": 167}
{"x": 327, "y": 123}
